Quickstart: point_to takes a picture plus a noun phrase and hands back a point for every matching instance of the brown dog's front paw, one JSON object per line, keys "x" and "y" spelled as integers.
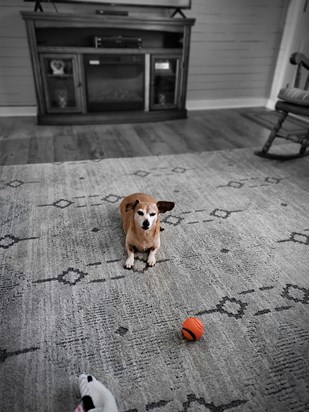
{"x": 151, "y": 261}
{"x": 129, "y": 263}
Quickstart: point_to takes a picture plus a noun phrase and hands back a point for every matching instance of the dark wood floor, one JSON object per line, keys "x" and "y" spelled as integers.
{"x": 22, "y": 141}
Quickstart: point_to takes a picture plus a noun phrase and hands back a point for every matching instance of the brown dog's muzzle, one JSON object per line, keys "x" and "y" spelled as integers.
{"x": 146, "y": 224}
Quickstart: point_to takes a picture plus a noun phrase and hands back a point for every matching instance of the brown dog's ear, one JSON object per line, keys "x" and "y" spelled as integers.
{"x": 131, "y": 205}
{"x": 165, "y": 206}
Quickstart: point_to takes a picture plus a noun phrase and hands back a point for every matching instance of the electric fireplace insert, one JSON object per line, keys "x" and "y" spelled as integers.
{"x": 114, "y": 82}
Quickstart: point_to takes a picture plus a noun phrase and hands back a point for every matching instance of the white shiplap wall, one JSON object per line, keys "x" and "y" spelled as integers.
{"x": 233, "y": 52}
{"x": 16, "y": 83}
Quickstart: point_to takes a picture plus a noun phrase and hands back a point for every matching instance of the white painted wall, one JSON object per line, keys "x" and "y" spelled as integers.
{"x": 235, "y": 45}
{"x": 295, "y": 38}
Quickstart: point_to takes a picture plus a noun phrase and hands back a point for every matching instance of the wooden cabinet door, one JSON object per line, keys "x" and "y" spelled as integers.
{"x": 61, "y": 82}
{"x": 165, "y": 81}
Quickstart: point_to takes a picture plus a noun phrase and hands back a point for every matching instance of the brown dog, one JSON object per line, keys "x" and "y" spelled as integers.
{"x": 141, "y": 224}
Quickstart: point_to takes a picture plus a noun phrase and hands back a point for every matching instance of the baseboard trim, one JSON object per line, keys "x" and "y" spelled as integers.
{"x": 191, "y": 105}
{"x": 225, "y": 103}
{"x": 270, "y": 104}
{"x": 12, "y": 111}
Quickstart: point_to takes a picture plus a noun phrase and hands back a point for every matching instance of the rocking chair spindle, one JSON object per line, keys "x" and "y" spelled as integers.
{"x": 292, "y": 100}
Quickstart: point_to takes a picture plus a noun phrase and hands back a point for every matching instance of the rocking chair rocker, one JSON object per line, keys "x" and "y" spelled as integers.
{"x": 293, "y": 100}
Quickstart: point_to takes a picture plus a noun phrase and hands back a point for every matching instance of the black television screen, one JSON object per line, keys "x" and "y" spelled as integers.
{"x": 178, "y": 4}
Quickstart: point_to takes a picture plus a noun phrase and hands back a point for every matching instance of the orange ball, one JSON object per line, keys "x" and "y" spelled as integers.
{"x": 193, "y": 329}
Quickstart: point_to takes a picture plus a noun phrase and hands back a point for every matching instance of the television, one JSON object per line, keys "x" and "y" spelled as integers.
{"x": 177, "y": 4}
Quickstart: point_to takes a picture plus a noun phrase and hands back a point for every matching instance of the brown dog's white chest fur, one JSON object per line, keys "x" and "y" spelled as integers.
{"x": 141, "y": 223}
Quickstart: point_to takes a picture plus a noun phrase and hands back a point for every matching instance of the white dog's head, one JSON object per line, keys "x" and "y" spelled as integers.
{"x": 146, "y": 214}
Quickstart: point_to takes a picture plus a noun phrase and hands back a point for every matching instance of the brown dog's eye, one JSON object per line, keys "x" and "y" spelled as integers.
{"x": 152, "y": 214}
{"x": 140, "y": 213}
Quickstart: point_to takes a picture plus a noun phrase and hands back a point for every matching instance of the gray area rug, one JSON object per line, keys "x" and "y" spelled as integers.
{"x": 269, "y": 118}
{"x": 234, "y": 253}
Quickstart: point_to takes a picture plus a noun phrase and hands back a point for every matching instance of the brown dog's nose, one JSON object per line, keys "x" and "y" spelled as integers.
{"x": 146, "y": 224}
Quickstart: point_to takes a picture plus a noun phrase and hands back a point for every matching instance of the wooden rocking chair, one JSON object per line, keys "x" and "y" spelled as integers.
{"x": 293, "y": 100}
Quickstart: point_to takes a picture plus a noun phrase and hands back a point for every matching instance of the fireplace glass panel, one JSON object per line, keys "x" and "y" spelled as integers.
{"x": 115, "y": 82}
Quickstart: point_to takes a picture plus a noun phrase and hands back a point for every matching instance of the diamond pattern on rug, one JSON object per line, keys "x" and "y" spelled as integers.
{"x": 234, "y": 253}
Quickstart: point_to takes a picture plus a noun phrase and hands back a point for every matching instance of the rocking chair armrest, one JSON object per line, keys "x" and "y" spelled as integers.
{"x": 298, "y": 58}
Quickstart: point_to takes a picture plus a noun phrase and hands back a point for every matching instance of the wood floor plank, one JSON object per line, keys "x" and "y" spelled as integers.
{"x": 66, "y": 148}
{"x": 23, "y": 141}
{"x": 41, "y": 149}
{"x": 14, "y": 151}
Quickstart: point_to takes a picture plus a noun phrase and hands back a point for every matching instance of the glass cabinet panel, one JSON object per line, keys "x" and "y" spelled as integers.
{"x": 61, "y": 83}
{"x": 164, "y": 82}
